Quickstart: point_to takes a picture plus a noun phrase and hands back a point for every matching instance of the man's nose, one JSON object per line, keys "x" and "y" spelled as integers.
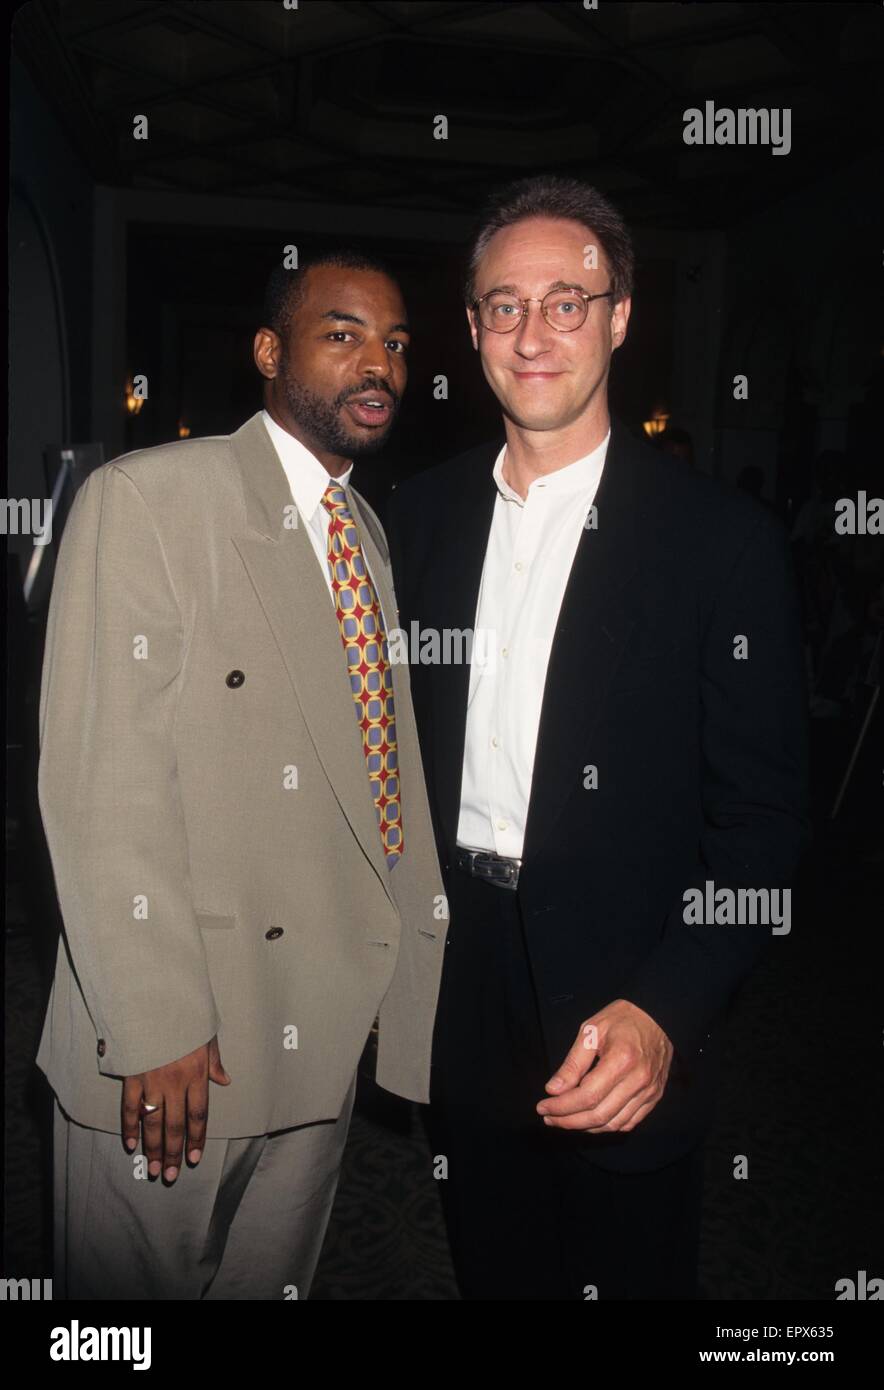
{"x": 373, "y": 360}
{"x": 532, "y": 335}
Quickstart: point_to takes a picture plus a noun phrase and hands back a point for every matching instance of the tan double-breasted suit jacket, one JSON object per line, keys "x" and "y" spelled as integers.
{"x": 207, "y": 806}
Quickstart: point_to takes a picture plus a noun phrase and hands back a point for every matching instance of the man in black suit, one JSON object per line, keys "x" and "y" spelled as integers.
{"x": 617, "y": 778}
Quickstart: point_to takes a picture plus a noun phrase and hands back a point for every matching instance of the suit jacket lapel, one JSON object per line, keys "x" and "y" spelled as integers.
{"x": 378, "y": 558}
{"x": 410, "y": 769}
{"x": 282, "y": 566}
{"x": 595, "y": 624}
{"x": 459, "y": 566}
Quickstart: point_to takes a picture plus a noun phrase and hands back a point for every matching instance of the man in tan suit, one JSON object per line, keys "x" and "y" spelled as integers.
{"x": 246, "y": 883}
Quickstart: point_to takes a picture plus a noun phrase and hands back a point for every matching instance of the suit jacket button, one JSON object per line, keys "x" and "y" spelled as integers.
{"x": 273, "y": 933}
{"x": 102, "y": 1047}
{"x": 235, "y": 678}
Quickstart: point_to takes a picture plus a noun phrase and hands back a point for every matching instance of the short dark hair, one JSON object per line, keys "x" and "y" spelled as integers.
{"x": 550, "y": 195}
{"x": 285, "y": 289}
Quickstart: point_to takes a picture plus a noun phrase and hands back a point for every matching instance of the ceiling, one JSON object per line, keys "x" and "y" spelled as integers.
{"x": 335, "y": 101}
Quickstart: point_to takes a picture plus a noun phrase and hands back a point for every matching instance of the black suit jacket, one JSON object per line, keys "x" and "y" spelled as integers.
{"x": 701, "y": 757}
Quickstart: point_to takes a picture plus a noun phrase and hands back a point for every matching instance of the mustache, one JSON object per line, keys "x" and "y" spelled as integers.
{"x": 381, "y": 390}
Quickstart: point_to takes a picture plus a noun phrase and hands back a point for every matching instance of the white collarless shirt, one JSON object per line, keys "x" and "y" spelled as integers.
{"x": 528, "y": 559}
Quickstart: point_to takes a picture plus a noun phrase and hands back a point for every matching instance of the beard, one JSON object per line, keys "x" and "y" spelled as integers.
{"x": 322, "y": 421}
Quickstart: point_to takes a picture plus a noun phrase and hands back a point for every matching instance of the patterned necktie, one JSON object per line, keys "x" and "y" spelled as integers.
{"x": 371, "y": 678}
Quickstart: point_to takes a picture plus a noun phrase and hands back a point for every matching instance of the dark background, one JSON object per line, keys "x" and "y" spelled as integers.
{"x": 269, "y": 127}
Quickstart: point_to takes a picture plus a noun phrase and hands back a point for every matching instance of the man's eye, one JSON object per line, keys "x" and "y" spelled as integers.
{"x": 402, "y": 348}
{"x": 340, "y": 333}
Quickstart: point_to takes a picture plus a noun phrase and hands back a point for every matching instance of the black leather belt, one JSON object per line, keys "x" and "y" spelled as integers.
{"x": 494, "y": 868}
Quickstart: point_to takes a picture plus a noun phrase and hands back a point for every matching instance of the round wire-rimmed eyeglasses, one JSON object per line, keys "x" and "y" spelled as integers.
{"x": 564, "y": 309}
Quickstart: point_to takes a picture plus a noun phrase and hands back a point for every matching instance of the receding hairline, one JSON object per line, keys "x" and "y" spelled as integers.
{"x": 482, "y": 248}
{"x": 555, "y": 198}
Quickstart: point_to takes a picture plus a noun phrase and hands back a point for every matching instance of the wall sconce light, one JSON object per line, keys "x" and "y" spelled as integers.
{"x": 183, "y": 430}
{"x": 133, "y": 402}
{"x": 656, "y": 425}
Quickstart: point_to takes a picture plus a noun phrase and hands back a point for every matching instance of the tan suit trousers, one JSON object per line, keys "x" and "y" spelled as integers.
{"x": 247, "y": 1222}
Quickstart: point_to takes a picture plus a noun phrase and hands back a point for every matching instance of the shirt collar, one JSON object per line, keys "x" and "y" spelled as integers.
{"x": 581, "y": 476}
{"x": 307, "y": 477}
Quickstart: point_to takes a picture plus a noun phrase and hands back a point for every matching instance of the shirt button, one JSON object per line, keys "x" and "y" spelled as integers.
{"x": 493, "y": 740}
{"x": 502, "y": 825}
{"x": 518, "y": 565}
{"x": 273, "y": 934}
{"x": 101, "y": 1049}
{"x": 505, "y": 651}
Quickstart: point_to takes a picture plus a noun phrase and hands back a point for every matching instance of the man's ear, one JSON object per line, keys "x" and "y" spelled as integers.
{"x": 619, "y": 320}
{"x": 266, "y": 351}
{"x": 474, "y": 332}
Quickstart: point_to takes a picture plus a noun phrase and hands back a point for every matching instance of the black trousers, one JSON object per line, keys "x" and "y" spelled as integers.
{"x": 529, "y": 1215}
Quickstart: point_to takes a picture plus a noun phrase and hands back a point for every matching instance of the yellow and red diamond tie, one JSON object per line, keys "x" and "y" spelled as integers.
{"x": 368, "y": 662}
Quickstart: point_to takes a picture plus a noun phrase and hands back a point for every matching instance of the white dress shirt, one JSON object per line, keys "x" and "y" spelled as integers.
{"x": 531, "y": 548}
{"x": 307, "y": 479}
